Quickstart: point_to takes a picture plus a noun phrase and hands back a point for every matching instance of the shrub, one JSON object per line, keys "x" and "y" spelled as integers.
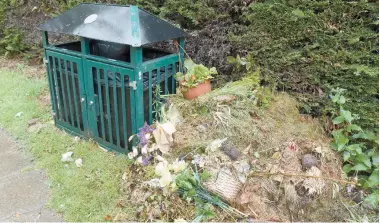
{"x": 12, "y": 43}
{"x": 310, "y": 47}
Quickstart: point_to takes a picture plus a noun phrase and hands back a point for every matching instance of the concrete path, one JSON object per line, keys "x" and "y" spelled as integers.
{"x": 23, "y": 190}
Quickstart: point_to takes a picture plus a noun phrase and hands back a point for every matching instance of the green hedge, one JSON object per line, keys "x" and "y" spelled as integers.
{"x": 310, "y": 47}
{"x": 306, "y": 47}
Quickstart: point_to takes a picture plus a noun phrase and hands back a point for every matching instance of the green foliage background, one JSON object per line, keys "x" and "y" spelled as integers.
{"x": 306, "y": 47}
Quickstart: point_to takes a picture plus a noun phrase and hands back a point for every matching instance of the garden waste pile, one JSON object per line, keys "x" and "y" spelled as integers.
{"x": 235, "y": 155}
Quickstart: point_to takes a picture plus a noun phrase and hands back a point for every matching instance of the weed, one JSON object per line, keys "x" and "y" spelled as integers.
{"x": 360, "y": 148}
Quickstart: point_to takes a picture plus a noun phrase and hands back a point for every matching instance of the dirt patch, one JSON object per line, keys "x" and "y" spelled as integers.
{"x": 18, "y": 64}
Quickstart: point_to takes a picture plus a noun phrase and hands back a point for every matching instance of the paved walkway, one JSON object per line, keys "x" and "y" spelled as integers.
{"x": 23, "y": 190}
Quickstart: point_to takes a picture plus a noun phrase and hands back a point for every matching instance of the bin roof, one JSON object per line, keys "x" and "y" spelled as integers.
{"x": 113, "y": 23}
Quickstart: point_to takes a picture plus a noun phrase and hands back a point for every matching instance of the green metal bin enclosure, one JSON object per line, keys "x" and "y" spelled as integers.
{"x": 109, "y": 83}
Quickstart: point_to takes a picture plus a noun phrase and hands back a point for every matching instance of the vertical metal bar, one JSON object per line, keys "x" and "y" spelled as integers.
{"x": 59, "y": 104}
{"x": 45, "y": 38}
{"x": 101, "y": 116}
{"x": 108, "y": 106}
{"x": 116, "y": 111}
{"x": 85, "y": 46}
{"x": 166, "y": 79}
{"x": 134, "y": 111}
{"x": 136, "y": 61}
{"x": 51, "y": 83}
{"x": 123, "y": 110}
{"x": 76, "y": 100}
{"x": 174, "y": 71}
{"x": 63, "y": 90}
{"x": 150, "y": 97}
{"x": 158, "y": 94}
{"x": 69, "y": 92}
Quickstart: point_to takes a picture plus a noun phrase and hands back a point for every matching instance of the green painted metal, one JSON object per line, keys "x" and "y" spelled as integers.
{"x": 100, "y": 103}
{"x": 115, "y": 101}
{"x": 100, "y": 98}
{"x": 124, "y": 111}
{"x": 60, "y": 90}
{"x": 69, "y": 90}
{"x": 135, "y": 25}
{"x": 110, "y": 126}
{"x": 76, "y": 99}
{"x": 137, "y": 61}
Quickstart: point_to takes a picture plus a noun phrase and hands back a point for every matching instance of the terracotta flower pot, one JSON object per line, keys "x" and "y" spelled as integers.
{"x": 200, "y": 89}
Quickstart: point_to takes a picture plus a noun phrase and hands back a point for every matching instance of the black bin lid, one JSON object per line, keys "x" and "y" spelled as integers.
{"x": 113, "y": 23}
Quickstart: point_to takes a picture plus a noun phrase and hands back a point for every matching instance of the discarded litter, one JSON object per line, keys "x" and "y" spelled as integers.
{"x": 19, "y": 114}
{"x": 79, "y": 162}
{"x": 66, "y": 157}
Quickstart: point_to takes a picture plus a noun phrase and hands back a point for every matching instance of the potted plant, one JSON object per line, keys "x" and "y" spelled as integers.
{"x": 195, "y": 80}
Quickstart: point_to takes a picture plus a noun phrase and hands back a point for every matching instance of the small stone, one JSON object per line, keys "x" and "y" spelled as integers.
{"x": 230, "y": 150}
{"x": 33, "y": 121}
{"x": 358, "y": 197}
{"x": 201, "y": 128}
{"x": 309, "y": 161}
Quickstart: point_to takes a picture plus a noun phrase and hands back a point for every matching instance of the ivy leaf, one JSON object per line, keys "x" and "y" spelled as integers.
{"x": 298, "y": 13}
{"x": 360, "y": 167}
{"x": 337, "y": 120}
{"x": 346, "y": 156}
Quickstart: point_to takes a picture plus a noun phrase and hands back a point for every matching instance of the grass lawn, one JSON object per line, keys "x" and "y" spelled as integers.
{"x": 89, "y": 193}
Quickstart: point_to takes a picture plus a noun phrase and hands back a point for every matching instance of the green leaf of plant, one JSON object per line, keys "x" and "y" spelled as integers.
{"x": 347, "y": 116}
{"x": 342, "y": 100}
{"x": 231, "y": 60}
{"x": 347, "y": 168}
{"x": 298, "y": 13}
{"x": 363, "y": 158}
{"x": 338, "y": 120}
{"x": 360, "y": 167}
{"x": 189, "y": 64}
{"x": 346, "y": 156}
{"x": 373, "y": 180}
{"x": 353, "y": 127}
{"x": 248, "y": 65}
{"x": 335, "y": 98}
{"x": 372, "y": 199}
{"x": 205, "y": 175}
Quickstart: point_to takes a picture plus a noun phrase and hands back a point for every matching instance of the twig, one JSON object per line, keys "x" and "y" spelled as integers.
{"x": 302, "y": 175}
{"x": 253, "y": 212}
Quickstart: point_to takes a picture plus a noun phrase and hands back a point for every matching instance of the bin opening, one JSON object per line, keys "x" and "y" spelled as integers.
{"x": 114, "y": 51}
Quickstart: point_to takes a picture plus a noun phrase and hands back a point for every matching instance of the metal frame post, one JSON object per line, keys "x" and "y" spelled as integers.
{"x": 136, "y": 61}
